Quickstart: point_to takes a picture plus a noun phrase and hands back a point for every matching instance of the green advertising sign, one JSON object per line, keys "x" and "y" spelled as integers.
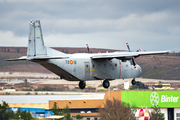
{"x": 151, "y": 98}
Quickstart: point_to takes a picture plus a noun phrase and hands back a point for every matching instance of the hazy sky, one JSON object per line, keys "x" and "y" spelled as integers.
{"x": 145, "y": 24}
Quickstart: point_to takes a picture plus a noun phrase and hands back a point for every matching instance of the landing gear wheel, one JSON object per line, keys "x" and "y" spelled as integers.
{"x": 106, "y": 84}
{"x": 133, "y": 82}
{"x": 82, "y": 84}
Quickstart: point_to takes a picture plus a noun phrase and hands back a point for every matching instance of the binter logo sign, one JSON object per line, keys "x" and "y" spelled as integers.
{"x": 155, "y": 98}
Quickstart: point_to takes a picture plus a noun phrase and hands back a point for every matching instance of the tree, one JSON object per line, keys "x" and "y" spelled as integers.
{"x": 22, "y": 115}
{"x": 156, "y": 114}
{"x": 56, "y": 110}
{"x": 66, "y": 113}
{"x": 116, "y": 110}
{"x": 25, "y": 82}
{"x": 5, "y": 113}
{"x": 78, "y": 117}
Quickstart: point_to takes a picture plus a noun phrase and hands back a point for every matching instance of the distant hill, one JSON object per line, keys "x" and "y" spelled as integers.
{"x": 156, "y": 66}
{"x": 160, "y": 66}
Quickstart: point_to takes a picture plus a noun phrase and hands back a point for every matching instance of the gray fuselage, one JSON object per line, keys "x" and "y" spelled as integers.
{"x": 80, "y": 67}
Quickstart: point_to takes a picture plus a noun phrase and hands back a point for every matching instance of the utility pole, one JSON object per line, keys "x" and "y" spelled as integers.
{"x": 109, "y": 91}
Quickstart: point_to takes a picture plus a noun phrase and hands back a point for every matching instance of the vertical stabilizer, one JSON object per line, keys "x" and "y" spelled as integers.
{"x": 35, "y": 43}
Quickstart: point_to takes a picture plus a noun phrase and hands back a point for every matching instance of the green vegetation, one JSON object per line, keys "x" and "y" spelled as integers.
{"x": 25, "y": 82}
{"x": 79, "y": 117}
{"x": 65, "y": 112}
{"x": 156, "y": 114}
{"x": 46, "y": 88}
{"x": 51, "y": 88}
{"x": 26, "y": 89}
{"x": 56, "y": 110}
{"x": 116, "y": 110}
{"x": 6, "y": 113}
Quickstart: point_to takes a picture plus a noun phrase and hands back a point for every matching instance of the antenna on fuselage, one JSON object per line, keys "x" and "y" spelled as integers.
{"x": 87, "y": 47}
{"x": 132, "y": 58}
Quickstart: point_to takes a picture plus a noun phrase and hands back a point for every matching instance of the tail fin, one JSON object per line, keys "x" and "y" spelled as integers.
{"x": 35, "y": 43}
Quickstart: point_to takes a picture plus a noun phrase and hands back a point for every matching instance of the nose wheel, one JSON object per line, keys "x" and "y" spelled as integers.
{"x": 106, "y": 84}
{"x": 133, "y": 81}
{"x": 82, "y": 84}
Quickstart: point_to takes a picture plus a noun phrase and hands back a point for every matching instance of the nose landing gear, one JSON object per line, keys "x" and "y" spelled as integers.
{"x": 133, "y": 81}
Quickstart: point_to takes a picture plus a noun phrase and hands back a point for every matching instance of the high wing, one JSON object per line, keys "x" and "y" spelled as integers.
{"x": 126, "y": 55}
{"x": 37, "y": 58}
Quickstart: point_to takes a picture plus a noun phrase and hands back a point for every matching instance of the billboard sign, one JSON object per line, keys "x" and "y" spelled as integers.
{"x": 151, "y": 98}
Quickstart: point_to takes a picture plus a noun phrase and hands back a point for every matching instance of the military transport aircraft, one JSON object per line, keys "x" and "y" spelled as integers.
{"x": 82, "y": 66}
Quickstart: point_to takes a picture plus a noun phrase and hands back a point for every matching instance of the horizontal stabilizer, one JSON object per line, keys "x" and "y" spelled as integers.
{"x": 37, "y": 58}
{"x": 47, "y": 57}
{"x": 18, "y": 59}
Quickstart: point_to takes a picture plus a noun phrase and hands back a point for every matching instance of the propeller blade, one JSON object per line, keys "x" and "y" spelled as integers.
{"x": 134, "y": 63}
{"x": 128, "y": 47}
{"x": 87, "y": 47}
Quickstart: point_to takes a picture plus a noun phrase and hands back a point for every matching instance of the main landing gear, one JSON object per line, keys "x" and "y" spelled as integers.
{"x": 82, "y": 84}
{"x": 106, "y": 84}
{"x": 133, "y": 81}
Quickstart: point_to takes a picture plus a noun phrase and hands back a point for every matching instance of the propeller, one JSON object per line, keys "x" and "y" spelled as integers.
{"x": 132, "y": 58}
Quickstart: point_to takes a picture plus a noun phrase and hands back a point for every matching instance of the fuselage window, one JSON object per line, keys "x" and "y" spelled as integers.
{"x": 115, "y": 64}
{"x": 93, "y": 66}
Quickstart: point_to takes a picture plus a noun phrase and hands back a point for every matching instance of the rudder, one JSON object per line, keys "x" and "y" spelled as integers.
{"x": 35, "y": 43}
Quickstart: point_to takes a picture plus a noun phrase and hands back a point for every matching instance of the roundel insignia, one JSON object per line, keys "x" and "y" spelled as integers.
{"x": 71, "y": 62}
